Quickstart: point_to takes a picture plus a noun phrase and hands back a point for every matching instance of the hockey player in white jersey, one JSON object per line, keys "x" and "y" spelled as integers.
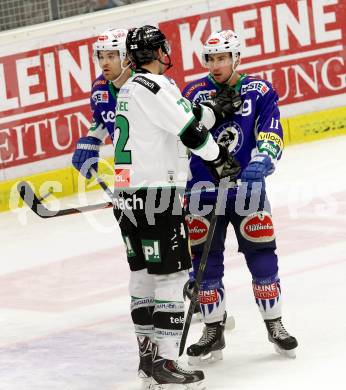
{"x": 154, "y": 127}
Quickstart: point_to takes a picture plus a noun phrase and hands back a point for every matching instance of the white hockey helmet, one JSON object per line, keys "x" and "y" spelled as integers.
{"x": 225, "y": 41}
{"x": 112, "y": 39}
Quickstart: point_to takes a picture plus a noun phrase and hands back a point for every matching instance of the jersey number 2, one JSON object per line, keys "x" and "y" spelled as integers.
{"x": 122, "y": 156}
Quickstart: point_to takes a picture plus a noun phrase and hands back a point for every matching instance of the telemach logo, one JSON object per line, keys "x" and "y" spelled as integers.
{"x": 131, "y": 203}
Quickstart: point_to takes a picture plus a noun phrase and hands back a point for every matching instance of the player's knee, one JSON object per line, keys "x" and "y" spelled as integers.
{"x": 169, "y": 287}
{"x": 214, "y": 268}
{"x": 141, "y": 284}
{"x": 262, "y": 262}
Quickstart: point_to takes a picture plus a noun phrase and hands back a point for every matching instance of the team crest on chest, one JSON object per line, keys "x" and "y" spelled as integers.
{"x": 231, "y": 135}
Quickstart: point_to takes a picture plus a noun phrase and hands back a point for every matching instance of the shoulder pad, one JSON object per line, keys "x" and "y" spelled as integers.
{"x": 147, "y": 83}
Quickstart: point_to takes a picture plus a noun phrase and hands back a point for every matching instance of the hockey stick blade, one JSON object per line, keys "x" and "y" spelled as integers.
{"x": 224, "y": 185}
{"x": 29, "y": 197}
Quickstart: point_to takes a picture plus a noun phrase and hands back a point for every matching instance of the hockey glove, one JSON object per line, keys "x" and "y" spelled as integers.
{"x": 225, "y": 103}
{"x": 225, "y": 165}
{"x": 259, "y": 167}
{"x": 87, "y": 147}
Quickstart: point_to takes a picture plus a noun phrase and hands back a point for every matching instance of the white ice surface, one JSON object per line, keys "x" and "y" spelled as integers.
{"x": 64, "y": 308}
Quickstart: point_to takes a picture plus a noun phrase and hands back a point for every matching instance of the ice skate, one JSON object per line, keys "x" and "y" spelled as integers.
{"x": 168, "y": 375}
{"x": 145, "y": 361}
{"x": 209, "y": 347}
{"x": 284, "y": 343}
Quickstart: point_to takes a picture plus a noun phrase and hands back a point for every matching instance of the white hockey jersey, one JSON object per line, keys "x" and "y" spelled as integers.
{"x": 151, "y": 114}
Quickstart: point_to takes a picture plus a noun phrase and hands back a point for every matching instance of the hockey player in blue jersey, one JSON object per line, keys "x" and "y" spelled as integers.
{"x": 110, "y": 52}
{"x": 254, "y": 137}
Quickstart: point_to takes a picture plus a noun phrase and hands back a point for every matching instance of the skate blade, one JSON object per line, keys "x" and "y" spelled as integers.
{"x": 291, "y": 353}
{"x": 200, "y": 385}
{"x": 209, "y": 358}
{"x": 145, "y": 384}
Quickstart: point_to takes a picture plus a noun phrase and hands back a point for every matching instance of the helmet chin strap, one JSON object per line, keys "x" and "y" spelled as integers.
{"x": 167, "y": 64}
{"x": 122, "y": 72}
{"x": 234, "y": 67}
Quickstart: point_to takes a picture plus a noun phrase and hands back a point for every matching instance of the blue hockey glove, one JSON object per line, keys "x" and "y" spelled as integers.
{"x": 259, "y": 167}
{"x": 87, "y": 147}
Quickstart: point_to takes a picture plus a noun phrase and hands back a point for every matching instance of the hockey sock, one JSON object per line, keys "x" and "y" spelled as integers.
{"x": 267, "y": 294}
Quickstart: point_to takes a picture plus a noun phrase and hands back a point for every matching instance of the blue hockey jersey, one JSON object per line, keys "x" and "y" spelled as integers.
{"x": 103, "y": 100}
{"x": 254, "y": 128}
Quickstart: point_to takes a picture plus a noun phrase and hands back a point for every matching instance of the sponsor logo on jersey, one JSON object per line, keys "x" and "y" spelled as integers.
{"x": 258, "y": 227}
{"x": 273, "y": 137}
{"x": 231, "y": 135}
{"x": 131, "y": 203}
{"x": 108, "y": 116}
{"x": 100, "y": 97}
{"x": 207, "y": 296}
{"x": 147, "y": 83}
{"x": 194, "y": 87}
{"x": 198, "y": 229}
{"x": 151, "y": 251}
{"x": 121, "y": 178}
{"x": 99, "y": 82}
{"x": 259, "y": 86}
{"x": 203, "y": 96}
{"x": 124, "y": 92}
{"x": 265, "y": 291}
{"x": 268, "y": 147}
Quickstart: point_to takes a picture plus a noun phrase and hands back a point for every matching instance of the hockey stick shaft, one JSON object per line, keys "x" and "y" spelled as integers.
{"x": 102, "y": 184}
{"x": 202, "y": 264}
{"x": 35, "y": 204}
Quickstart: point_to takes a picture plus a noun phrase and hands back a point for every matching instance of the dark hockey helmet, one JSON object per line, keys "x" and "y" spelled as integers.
{"x": 142, "y": 44}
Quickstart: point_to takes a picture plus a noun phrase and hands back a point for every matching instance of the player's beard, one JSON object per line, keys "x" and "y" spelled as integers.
{"x": 110, "y": 75}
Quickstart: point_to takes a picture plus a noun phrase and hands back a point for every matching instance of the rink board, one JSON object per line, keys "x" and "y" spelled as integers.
{"x": 43, "y": 115}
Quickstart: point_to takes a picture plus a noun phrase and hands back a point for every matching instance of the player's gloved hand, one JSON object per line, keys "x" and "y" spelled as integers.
{"x": 225, "y": 103}
{"x": 225, "y": 165}
{"x": 87, "y": 147}
{"x": 260, "y": 166}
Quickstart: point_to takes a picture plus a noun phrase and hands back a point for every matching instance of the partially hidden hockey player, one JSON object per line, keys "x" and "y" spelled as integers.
{"x": 110, "y": 52}
{"x": 154, "y": 125}
{"x": 254, "y": 137}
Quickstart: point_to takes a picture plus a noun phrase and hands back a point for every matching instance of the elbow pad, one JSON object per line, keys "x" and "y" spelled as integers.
{"x": 194, "y": 135}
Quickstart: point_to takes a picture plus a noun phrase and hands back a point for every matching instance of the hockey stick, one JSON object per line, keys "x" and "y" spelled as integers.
{"x": 29, "y": 197}
{"x": 224, "y": 185}
{"x": 102, "y": 184}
